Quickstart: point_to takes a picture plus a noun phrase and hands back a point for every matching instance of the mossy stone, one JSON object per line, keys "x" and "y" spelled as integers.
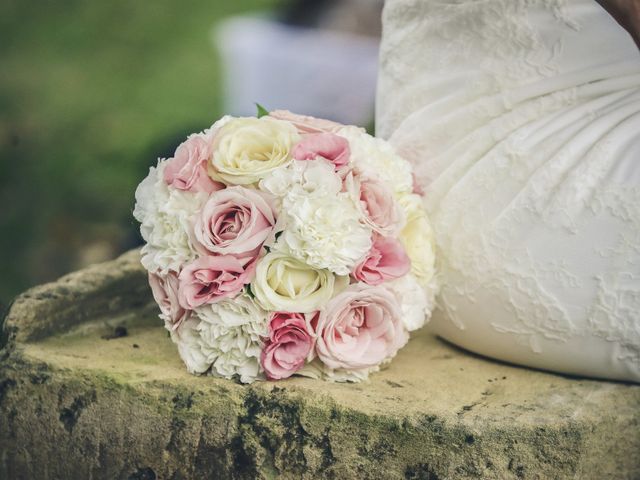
{"x": 79, "y": 401}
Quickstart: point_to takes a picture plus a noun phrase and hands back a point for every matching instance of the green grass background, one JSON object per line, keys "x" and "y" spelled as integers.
{"x": 91, "y": 93}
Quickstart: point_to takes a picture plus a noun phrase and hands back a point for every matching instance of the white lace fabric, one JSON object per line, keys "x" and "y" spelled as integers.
{"x": 522, "y": 121}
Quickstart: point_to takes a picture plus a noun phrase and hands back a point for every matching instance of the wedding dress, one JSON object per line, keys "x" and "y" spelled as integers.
{"x": 522, "y": 119}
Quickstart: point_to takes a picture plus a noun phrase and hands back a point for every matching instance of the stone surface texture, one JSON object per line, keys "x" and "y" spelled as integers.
{"x": 75, "y": 403}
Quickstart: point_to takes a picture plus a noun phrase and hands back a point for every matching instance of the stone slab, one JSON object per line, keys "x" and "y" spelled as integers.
{"x": 76, "y": 405}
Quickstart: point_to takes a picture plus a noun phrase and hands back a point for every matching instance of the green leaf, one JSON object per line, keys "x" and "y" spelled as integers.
{"x": 261, "y": 111}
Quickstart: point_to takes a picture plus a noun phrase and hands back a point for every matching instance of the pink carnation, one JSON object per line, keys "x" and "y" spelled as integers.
{"x": 165, "y": 292}
{"x": 306, "y": 124}
{"x": 387, "y": 260}
{"x": 210, "y": 279}
{"x": 329, "y": 146}
{"x": 187, "y": 170}
{"x": 360, "y": 328}
{"x": 288, "y": 345}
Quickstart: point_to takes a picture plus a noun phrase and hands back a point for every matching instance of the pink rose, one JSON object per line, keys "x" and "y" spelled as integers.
{"x": 210, "y": 279}
{"x": 306, "y": 124}
{"x": 165, "y": 293}
{"x": 360, "y": 328}
{"x": 234, "y": 221}
{"x": 382, "y": 213}
{"x": 329, "y": 146}
{"x": 288, "y": 345}
{"x": 187, "y": 170}
{"x": 386, "y": 260}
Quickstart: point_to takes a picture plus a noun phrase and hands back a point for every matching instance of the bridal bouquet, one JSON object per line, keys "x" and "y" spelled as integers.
{"x": 286, "y": 244}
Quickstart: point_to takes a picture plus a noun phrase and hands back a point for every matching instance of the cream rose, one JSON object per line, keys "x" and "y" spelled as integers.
{"x": 285, "y": 284}
{"x": 417, "y": 238}
{"x": 247, "y": 149}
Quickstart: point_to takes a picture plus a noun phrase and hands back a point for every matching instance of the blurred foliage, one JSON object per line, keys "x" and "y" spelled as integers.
{"x": 91, "y": 93}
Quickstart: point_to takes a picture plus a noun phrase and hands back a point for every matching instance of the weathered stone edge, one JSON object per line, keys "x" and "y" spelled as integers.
{"x": 101, "y": 290}
{"x": 94, "y": 422}
{"x": 105, "y": 429}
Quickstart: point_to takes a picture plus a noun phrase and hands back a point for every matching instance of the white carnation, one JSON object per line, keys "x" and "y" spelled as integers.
{"x": 187, "y": 338}
{"x": 149, "y": 192}
{"x": 416, "y": 301}
{"x": 375, "y": 156}
{"x": 303, "y": 178}
{"x": 166, "y": 216}
{"x": 322, "y": 226}
{"x": 324, "y": 232}
{"x": 231, "y": 333}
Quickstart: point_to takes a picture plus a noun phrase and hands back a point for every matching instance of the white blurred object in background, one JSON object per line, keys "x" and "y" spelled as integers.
{"x": 321, "y": 72}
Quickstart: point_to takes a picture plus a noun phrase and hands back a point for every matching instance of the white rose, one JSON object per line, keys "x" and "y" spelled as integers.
{"x": 283, "y": 283}
{"x": 418, "y": 239}
{"x": 416, "y": 301}
{"x": 231, "y": 333}
{"x": 187, "y": 338}
{"x": 166, "y": 217}
{"x": 247, "y": 149}
{"x": 325, "y": 231}
{"x": 377, "y": 157}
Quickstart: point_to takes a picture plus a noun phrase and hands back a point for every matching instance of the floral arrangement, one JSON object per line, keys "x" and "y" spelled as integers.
{"x": 286, "y": 244}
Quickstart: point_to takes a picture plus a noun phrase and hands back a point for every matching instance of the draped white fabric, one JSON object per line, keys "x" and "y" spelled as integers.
{"x": 522, "y": 119}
